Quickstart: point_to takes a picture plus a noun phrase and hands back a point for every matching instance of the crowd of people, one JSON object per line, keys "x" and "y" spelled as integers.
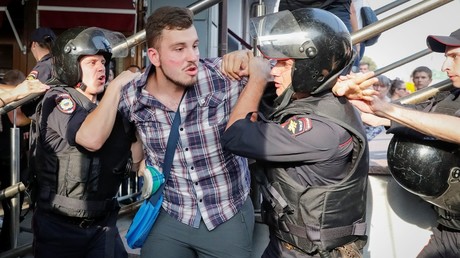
{"x": 295, "y": 117}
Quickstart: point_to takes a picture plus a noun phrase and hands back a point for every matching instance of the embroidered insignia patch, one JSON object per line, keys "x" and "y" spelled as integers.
{"x": 32, "y": 75}
{"x": 65, "y": 103}
{"x": 296, "y": 126}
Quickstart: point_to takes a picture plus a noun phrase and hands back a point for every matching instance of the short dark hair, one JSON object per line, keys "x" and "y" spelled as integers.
{"x": 13, "y": 77}
{"x": 166, "y": 18}
{"x": 422, "y": 69}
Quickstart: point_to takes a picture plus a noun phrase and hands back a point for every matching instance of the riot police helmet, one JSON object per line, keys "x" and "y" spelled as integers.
{"x": 423, "y": 165}
{"x": 317, "y": 40}
{"x": 77, "y": 42}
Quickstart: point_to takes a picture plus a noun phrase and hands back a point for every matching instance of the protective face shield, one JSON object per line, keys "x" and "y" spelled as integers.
{"x": 318, "y": 41}
{"x": 75, "y": 43}
{"x": 427, "y": 168}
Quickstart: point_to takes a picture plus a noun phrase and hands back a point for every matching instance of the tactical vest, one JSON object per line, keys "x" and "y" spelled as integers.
{"x": 318, "y": 218}
{"x": 81, "y": 183}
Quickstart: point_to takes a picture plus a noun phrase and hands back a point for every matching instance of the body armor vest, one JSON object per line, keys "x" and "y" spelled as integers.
{"x": 315, "y": 218}
{"x": 81, "y": 183}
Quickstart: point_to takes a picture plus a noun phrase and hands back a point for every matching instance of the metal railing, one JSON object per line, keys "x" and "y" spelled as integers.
{"x": 357, "y": 37}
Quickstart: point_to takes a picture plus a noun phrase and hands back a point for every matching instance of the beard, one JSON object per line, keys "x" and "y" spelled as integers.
{"x": 190, "y": 83}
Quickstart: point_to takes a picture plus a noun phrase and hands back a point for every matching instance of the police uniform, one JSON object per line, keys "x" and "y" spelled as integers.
{"x": 42, "y": 71}
{"x": 306, "y": 157}
{"x": 77, "y": 187}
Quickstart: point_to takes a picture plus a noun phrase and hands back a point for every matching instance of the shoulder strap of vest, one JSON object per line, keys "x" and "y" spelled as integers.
{"x": 80, "y": 98}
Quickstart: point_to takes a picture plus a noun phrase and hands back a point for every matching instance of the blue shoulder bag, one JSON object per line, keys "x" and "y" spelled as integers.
{"x": 148, "y": 212}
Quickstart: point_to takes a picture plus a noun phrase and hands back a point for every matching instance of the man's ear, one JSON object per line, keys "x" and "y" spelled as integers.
{"x": 154, "y": 56}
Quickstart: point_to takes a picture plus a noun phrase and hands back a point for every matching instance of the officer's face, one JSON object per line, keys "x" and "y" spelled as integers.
{"x": 452, "y": 65}
{"x": 282, "y": 74}
{"x": 93, "y": 73}
{"x": 176, "y": 56}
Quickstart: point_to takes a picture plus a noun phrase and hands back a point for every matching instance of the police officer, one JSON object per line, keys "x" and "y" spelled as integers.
{"x": 423, "y": 156}
{"x": 42, "y": 40}
{"x": 78, "y": 175}
{"x": 312, "y": 150}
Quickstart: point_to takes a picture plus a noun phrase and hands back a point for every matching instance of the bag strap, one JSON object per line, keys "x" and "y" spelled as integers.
{"x": 169, "y": 154}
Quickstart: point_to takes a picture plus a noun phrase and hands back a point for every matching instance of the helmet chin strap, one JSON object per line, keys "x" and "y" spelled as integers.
{"x": 81, "y": 86}
{"x": 282, "y": 100}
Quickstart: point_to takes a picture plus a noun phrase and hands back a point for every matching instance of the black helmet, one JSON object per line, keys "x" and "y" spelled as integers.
{"x": 318, "y": 40}
{"x": 75, "y": 43}
{"x": 427, "y": 167}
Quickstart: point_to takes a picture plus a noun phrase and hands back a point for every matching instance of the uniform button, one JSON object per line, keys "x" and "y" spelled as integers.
{"x": 201, "y": 200}
{"x": 196, "y": 183}
{"x": 186, "y": 149}
{"x": 192, "y": 168}
{"x": 181, "y": 129}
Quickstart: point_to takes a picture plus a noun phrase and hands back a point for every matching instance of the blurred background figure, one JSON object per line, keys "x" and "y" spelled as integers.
{"x": 363, "y": 67}
{"x": 422, "y": 77}
{"x": 397, "y": 89}
{"x": 134, "y": 68}
{"x": 382, "y": 87}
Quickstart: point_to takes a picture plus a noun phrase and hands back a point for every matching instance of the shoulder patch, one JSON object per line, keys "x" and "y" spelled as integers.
{"x": 296, "y": 126}
{"x": 65, "y": 103}
{"x": 32, "y": 75}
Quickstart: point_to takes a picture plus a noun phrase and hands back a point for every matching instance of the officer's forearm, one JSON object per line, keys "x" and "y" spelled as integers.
{"x": 441, "y": 126}
{"x": 98, "y": 124}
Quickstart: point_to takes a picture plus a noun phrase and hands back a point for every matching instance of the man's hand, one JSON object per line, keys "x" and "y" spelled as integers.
{"x": 259, "y": 69}
{"x": 236, "y": 64}
{"x": 28, "y": 87}
{"x": 123, "y": 78}
{"x": 356, "y": 86}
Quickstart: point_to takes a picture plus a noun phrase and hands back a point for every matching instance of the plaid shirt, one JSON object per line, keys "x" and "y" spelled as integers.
{"x": 205, "y": 182}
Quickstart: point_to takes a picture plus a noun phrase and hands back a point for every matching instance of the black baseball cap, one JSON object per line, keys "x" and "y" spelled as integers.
{"x": 42, "y": 34}
{"x": 439, "y": 43}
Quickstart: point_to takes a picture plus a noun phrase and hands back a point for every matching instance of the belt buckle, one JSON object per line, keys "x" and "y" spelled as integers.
{"x": 86, "y": 223}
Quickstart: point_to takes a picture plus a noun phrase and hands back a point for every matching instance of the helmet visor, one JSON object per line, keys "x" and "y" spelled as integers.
{"x": 279, "y": 36}
{"x": 95, "y": 40}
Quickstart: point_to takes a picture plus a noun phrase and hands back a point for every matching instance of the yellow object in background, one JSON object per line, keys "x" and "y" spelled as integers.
{"x": 410, "y": 86}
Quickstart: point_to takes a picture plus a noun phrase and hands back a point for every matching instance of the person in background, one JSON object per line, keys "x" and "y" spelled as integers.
{"x": 42, "y": 40}
{"x": 134, "y": 68}
{"x": 363, "y": 67}
{"x": 422, "y": 77}
{"x": 382, "y": 87}
{"x": 397, "y": 89}
{"x": 305, "y": 145}
{"x": 423, "y": 127}
{"x": 79, "y": 170}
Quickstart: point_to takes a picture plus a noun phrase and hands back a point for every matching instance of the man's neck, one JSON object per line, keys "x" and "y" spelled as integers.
{"x": 165, "y": 91}
{"x": 91, "y": 97}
